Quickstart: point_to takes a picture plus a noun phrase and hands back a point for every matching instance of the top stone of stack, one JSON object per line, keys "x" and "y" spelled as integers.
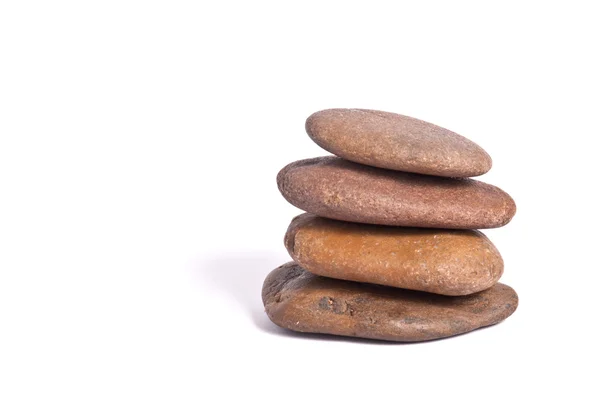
{"x": 396, "y": 142}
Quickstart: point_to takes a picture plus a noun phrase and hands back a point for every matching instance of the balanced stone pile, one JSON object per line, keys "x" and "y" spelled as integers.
{"x": 389, "y": 248}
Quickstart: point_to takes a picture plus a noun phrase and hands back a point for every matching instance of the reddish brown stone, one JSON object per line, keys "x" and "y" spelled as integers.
{"x": 298, "y": 300}
{"x": 335, "y": 188}
{"x": 396, "y": 142}
{"x": 443, "y": 261}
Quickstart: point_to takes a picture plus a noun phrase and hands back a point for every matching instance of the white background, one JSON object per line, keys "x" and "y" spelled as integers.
{"x": 139, "y": 144}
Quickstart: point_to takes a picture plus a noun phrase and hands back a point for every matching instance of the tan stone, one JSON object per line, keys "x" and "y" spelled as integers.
{"x": 443, "y": 261}
{"x": 335, "y": 188}
{"x": 298, "y": 300}
{"x": 396, "y": 142}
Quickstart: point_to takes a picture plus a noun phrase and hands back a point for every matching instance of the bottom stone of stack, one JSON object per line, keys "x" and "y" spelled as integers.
{"x": 297, "y": 300}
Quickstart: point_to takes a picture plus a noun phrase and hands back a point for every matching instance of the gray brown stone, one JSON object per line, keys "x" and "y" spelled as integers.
{"x": 298, "y": 300}
{"x": 442, "y": 261}
{"x": 396, "y": 142}
{"x": 335, "y": 188}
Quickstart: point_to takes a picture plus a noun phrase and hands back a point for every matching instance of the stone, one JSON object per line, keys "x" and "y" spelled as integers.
{"x": 442, "y": 261}
{"x": 297, "y": 300}
{"x": 335, "y": 188}
{"x": 396, "y": 142}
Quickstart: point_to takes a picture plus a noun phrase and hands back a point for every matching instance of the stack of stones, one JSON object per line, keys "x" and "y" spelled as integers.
{"x": 389, "y": 247}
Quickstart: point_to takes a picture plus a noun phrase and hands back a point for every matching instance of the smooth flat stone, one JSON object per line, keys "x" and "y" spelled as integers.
{"x": 396, "y": 142}
{"x": 442, "y": 261}
{"x": 298, "y": 300}
{"x": 335, "y": 188}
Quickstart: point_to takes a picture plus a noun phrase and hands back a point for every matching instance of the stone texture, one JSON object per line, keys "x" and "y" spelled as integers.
{"x": 335, "y": 188}
{"x": 298, "y": 300}
{"x": 442, "y": 261}
{"x": 396, "y": 142}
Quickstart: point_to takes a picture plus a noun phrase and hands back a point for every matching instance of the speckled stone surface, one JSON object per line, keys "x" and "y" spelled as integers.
{"x": 335, "y": 188}
{"x": 396, "y": 142}
{"x": 442, "y": 261}
{"x": 298, "y": 300}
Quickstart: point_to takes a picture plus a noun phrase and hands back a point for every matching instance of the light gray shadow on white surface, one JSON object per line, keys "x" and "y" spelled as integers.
{"x": 241, "y": 276}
